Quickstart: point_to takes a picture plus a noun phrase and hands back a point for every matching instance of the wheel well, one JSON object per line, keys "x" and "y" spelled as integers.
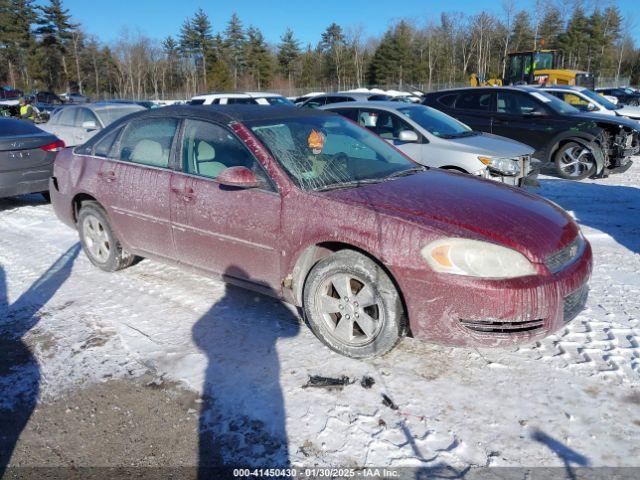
{"x": 313, "y": 254}
{"x": 564, "y": 141}
{"x": 78, "y": 200}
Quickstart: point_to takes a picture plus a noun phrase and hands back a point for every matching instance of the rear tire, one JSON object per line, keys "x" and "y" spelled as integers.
{"x": 352, "y": 306}
{"x": 574, "y": 161}
{"x": 99, "y": 243}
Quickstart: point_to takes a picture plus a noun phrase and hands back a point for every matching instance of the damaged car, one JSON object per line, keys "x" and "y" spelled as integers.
{"x": 309, "y": 207}
{"x": 573, "y": 144}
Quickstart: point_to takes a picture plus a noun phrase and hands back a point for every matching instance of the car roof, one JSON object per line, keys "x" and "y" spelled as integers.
{"x": 383, "y": 104}
{"x": 235, "y": 95}
{"x": 233, "y": 113}
{"x": 517, "y": 88}
{"x": 574, "y": 88}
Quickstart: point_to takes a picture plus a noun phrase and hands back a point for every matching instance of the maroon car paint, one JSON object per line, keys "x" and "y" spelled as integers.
{"x": 267, "y": 233}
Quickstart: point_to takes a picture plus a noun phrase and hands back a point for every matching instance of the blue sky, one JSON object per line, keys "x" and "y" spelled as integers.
{"x": 308, "y": 18}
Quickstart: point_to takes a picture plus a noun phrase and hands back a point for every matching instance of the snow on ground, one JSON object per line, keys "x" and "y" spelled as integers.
{"x": 572, "y": 398}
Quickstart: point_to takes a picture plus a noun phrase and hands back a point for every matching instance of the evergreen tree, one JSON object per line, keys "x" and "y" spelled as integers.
{"x": 332, "y": 46}
{"x": 522, "y": 36}
{"x": 234, "y": 47}
{"x": 196, "y": 40}
{"x": 289, "y": 55}
{"x": 258, "y": 58}
{"x": 16, "y": 41}
{"x": 55, "y": 31}
{"x": 551, "y": 27}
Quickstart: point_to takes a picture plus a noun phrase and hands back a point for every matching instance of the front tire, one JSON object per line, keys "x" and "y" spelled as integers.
{"x": 574, "y": 161}
{"x": 99, "y": 243}
{"x": 352, "y": 306}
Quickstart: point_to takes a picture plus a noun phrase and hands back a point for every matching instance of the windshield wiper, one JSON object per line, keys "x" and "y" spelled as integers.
{"x": 349, "y": 184}
{"x": 404, "y": 173}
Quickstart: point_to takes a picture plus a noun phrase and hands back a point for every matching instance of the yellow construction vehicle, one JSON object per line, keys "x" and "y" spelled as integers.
{"x": 539, "y": 67}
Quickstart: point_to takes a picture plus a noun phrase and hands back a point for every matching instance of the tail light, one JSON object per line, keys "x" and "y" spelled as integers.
{"x": 53, "y": 147}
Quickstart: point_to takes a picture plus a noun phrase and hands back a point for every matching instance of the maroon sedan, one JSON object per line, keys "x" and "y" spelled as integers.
{"x": 311, "y": 208}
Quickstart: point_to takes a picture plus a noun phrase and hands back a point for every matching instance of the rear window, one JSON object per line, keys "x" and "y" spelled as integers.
{"x": 197, "y": 101}
{"x": 10, "y": 127}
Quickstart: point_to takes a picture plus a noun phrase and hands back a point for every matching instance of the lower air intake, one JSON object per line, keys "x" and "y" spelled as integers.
{"x": 496, "y": 326}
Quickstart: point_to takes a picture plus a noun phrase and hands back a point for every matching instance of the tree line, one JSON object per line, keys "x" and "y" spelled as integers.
{"x": 42, "y": 48}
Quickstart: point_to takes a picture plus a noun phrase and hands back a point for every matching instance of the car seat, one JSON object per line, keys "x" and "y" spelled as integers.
{"x": 150, "y": 152}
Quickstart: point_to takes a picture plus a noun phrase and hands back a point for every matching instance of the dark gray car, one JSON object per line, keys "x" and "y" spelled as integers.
{"x": 26, "y": 157}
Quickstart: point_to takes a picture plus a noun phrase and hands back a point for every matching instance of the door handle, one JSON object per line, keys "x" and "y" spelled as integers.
{"x": 185, "y": 194}
{"x": 109, "y": 176}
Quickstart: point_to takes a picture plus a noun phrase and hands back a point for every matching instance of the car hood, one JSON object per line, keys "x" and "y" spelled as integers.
{"x": 487, "y": 144}
{"x": 458, "y": 204}
{"x": 629, "y": 111}
{"x": 600, "y": 118}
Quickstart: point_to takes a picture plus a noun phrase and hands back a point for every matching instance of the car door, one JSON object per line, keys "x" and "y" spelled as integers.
{"x": 474, "y": 108}
{"x": 523, "y": 117}
{"x": 63, "y": 126}
{"x": 134, "y": 185}
{"x": 388, "y": 125}
{"x": 228, "y": 231}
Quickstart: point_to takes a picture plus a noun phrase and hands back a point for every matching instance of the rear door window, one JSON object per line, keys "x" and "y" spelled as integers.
{"x": 448, "y": 100}
{"x": 148, "y": 142}
{"x": 480, "y": 101}
{"x": 515, "y": 103}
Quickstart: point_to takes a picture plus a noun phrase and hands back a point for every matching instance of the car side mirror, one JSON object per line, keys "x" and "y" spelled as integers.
{"x": 408, "y": 136}
{"x": 91, "y": 125}
{"x": 238, "y": 177}
{"x": 592, "y": 107}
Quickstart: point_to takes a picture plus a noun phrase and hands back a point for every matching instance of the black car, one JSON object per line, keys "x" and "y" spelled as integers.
{"x": 45, "y": 102}
{"x": 624, "y": 95}
{"x": 26, "y": 157}
{"x": 575, "y": 144}
{"x": 328, "y": 98}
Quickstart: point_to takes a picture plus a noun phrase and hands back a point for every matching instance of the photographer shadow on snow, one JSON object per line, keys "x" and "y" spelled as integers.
{"x": 19, "y": 370}
{"x": 242, "y": 417}
{"x": 612, "y": 209}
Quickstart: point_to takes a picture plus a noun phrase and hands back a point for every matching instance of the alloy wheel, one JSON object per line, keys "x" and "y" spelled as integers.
{"x": 576, "y": 161}
{"x": 351, "y": 309}
{"x": 96, "y": 238}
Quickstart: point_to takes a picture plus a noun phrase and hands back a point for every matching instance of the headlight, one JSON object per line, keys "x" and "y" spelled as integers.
{"x": 506, "y": 166}
{"x": 474, "y": 258}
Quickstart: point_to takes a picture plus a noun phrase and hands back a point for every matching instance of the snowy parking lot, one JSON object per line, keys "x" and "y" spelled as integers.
{"x": 242, "y": 360}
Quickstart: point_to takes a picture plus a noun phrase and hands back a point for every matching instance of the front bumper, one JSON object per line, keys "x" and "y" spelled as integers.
{"x": 463, "y": 311}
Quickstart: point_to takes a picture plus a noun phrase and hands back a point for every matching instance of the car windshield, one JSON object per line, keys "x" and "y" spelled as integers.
{"x": 108, "y": 115}
{"x": 555, "y": 103}
{"x": 278, "y": 101}
{"x": 437, "y": 123}
{"x": 327, "y": 152}
{"x": 600, "y": 100}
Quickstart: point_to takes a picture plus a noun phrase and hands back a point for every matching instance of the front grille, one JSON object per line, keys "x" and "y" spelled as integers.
{"x": 497, "y": 326}
{"x": 574, "y": 303}
{"x": 566, "y": 256}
